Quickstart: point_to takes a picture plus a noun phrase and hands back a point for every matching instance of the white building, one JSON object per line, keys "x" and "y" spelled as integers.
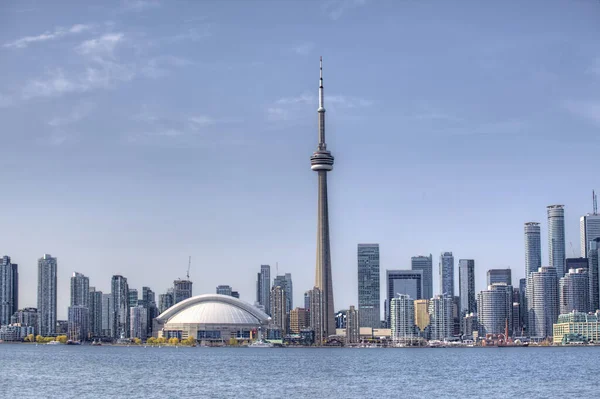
{"x": 542, "y": 301}
{"x": 440, "y": 317}
{"x": 494, "y": 309}
{"x": 589, "y": 228}
{"x": 138, "y": 322}
{"x": 402, "y": 312}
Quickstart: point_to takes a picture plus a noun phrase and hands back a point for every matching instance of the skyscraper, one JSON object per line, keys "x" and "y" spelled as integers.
{"x": 316, "y": 315}
{"x": 499, "y": 276}
{"x": 424, "y": 264}
{"x": 556, "y": 238}
{"x": 466, "y": 286}
{"x": 148, "y": 301}
{"x": 278, "y": 308}
{"x": 523, "y": 304}
{"x": 132, "y": 297}
{"x": 369, "y": 312}
{"x": 95, "y": 306}
{"x": 107, "y": 315}
{"x": 440, "y": 317}
{"x": 594, "y": 273}
{"x": 576, "y": 263}
{"x": 165, "y": 301}
{"x": 120, "y": 306}
{"x": 407, "y": 282}
{"x": 574, "y": 292}
{"x": 494, "y": 309}
{"x": 402, "y": 318}
{"x": 322, "y": 162}
{"x": 80, "y": 290}
{"x": 446, "y": 274}
{"x": 422, "y": 314}
{"x": 589, "y": 228}
{"x": 8, "y": 289}
{"x": 352, "y": 327}
{"x": 139, "y": 322}
{"x": 542, "y": 301}
{"x": 533, "y": 248}
{"x": 47, "y": 295}
{"x": 78, "y": 322}
{"x": 263, "y": 288}
{"x": 298, "y": 320}
{"x": 285, "y": 282}
{"x": 224, "y": 290}
{"x": 182, "y": 290}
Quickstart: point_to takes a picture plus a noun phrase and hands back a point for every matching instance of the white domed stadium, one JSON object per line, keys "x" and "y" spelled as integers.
{"x": 210, "y": 317}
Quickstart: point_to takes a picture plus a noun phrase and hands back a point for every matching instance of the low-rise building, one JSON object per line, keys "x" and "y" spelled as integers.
{"x": 586, "y": 325}
{"x": 15, "y": 332}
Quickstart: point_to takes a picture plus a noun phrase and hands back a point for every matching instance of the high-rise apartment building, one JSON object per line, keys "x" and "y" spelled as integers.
{"x": 421, "y": 314}
{"x": 278, "y": 308}
{"x": 263, "y": 288}
{"x": 494, "y": 309}
{"x": 594, "y": 274}
{"x": 120, "y": 307}
{"x": 352, "y": 327}
{"x": 9, "y": 292}
{"x": 165, "y": 301}
{"x": 108, "y": 310}
{"x": 466, "y": 286}
{"x": 95, "y": 314}
{"x": 148, "y": 301}
{"x": 285, "y": 282}
{"x": 133, "y": 297}
{"x": 523, "y": 318}
{"x": 298, "y": 320}
{"x": 46, "y": 295}
{"x": 576, "y": 263}
{"x": 447, "y": 274}
{"x": 499, "y": 276}
{"x": 316, "y": 315}
{"x": 589, "y": 228}
{"x": 27, "y": 317}
{"x": 369, "y": 300}
{"x": 533, "y": 247}
{"x": 556, "y": 238}
{"x": 542, "y": 301}
{"x": 425, "y": 265}
{"x": 574, "y": 291}
{"x": 440, "y": 317}
{"x": 139, "y": 322}
{"x": 182, "y": 290}
{"x": 402, "y": 318}
{"x": 407, "y": 282}
{"x": 78, "y": 323}
{"x": 224, "y": 290}
{"x": 80, "y": 290}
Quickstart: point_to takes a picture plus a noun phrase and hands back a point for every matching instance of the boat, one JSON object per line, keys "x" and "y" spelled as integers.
{"x": 260, "y": 344}
{"x": 96, "y": 343}
{"x": 53, "y": 343}
{"x": 70, "y": 342}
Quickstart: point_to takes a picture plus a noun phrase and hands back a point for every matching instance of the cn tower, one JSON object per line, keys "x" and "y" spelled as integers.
{"x": 322, "y": 162}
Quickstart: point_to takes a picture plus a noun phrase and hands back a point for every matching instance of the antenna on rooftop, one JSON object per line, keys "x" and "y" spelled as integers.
{"x": 189, "y": 266}
{"x": 595, "y": 202}
{"x": 277, "y": 268}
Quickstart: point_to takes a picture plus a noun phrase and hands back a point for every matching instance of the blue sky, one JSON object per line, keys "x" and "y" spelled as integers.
{"x": 138, "y": 133}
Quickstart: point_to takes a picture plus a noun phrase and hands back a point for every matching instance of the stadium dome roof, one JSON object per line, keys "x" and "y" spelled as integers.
{"x": 213, "y": 309}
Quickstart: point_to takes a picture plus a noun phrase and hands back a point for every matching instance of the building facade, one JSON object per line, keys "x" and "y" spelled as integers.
{"x": 594, "y": 274}
{"x": 9, "y": 292}
{"x": 165, "y": 301}
{"x": 446, "y": 274}
{"x": 425, "y": 265}
{"x": 285, "y": 282}
{"x": 78, "y": 323}
{"x": 95, "y": 314}
{"x": 46, "y": 300}
{"x": 298, "y": 320}
{"x": 542, "y": 302}
{"x": 533, "y": 247}
{"x": 402, "y": 324}
{"x": 182, "y": 290}
{"x": 120, "y": 307}
{"x": 138, "y": 322}
{"x": 499, "y": 276}
{"x": 352, "y": 326}
{"x": 466, "y": 286}
{"x": 495, "y": 306}
{"x": 80, "y": 290}
{"x": 421, "y": 314}
{"x": 406, "y": 282}
{"x": 278, "y": 308}
{"x": 556, "y": 238}
{"x": 369, "y": 299}
{"x": 27, "y": 317}
{"x": 589, "y": 229}
{"x": 584, "y": 325}
{"x": 224, "y": 290}
{"x": 316, "y": 316}
{"x": 440, "y": 318}
{"x": 107, "y": 315}
{"x": 263, "y": 288}
{"x": 574, "y": 291}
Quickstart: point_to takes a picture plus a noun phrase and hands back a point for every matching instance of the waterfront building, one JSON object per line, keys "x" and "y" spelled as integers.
{"x": 494, "y": 309}
{"x": 594, "y": 274}
{"x": 533, "y": 248}
{"x": 466, "y": 286}
{"x": 120, "y": 307}
{"x": 440, "y": 317}
{"x": 212, "y": 318}
{"x": 402, "y": 318}
{"x": 469, "y": 324}
{"x": 62, "y": 327}
{"x": 556, "y": 238}
{"x": 278, "y": 308}
{"x": 138, "y": 322}
{"x": 285, "y": 282}
{"x": 9, "y": 289}
{"x": 148, "y": 301}
{"x": 15, "y": 332}
{"x": 408, "y": 282}
{"x": 316, "y": 316}
{"x": 421, "y": 314}
{"x": 499, "y": 276}
{"x": 523, "y": 317}
{"x": 80, "y": 290}
{"x": 224, "y": 290}
{"x": 425, "y": 265}
{"x": 263, "y": 288}
{"x": 132, "y": 297}
{"x": 577, "y": 324}
{"x": 107, "y": 315}
{"x": 298, "y": 320}
{"x": 446, "y": 274}
{"x": 322, "y": 162}
{"x": 165, "y": 301}
{"x": 340, "y": 319}
{"x": 95, "y": 314}
{"x": 517, "y": 328}
{"x": 78, "y": 323}
{"x": 574, "y": 291}
{"x": 352, "y": 327}
{"x": 182, "y": 290}
{"x": 369, "y": 299}
{"x": 542, "y": 301}
{"x": 26, "y": 317}
{"x": 589, "y": 229}
{"x": 46, "y": 296}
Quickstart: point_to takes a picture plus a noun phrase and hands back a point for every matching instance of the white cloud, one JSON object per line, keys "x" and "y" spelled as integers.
{"x": 158, "y": 67}
{"x": 304, "y": 98}
{"x": 277, "y": 114}
{"x": 336, "y": 8}
{"x": 46, "y": 36}
{"x": 192, "y": 34}
{"x": 202, "y": 120}
{"x": 333, "y": 100}
{"x": 304, "y": 48}
{"x": 77, "y": 114}
{"x": 104, "y": 46}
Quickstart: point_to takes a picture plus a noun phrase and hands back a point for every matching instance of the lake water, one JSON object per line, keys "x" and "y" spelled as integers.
{"x": 28, "y": 371}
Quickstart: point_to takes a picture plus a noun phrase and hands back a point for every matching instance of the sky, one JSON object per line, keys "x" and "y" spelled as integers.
{"x": 138, "y": 133}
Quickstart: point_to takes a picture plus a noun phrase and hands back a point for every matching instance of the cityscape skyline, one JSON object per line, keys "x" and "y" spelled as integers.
{"x": 467, "y": 153}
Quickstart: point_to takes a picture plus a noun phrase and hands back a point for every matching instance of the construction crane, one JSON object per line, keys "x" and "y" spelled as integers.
{"x": 189, "y": 266}
{"x": 572, "y": 250}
